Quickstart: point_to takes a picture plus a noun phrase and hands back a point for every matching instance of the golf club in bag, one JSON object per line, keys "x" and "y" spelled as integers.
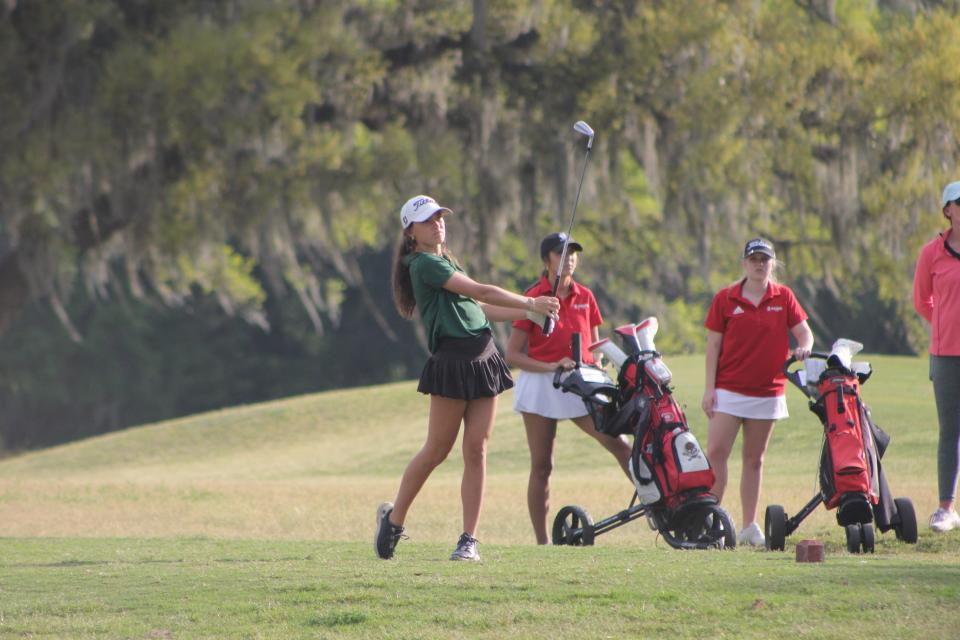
{"x": 582, "y": 128}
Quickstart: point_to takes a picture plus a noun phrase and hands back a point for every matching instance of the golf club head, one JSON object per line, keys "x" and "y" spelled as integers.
{"x": 842, "y": 352}
{"x": 628, "y": 337}
{"x": 610, "y": 351}
{"x": 583, "y": 128}
{"x": 646, "y": 331}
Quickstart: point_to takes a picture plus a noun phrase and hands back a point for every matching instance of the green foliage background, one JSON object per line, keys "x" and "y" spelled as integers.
{"x": 198, "y": 199}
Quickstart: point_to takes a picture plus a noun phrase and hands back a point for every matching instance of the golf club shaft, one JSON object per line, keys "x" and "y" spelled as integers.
{"x": 548, "y": 324}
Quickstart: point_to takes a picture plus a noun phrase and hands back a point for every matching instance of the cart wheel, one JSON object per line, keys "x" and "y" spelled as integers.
{"x": 867, "y": 537}
{"x": 703, "y": 527}
{"x": 573, "y": 526}
{"x": 853, "y": 538}
{"x": 726, "y": 528}
{"x": 775, "y": 528}
{"x": 907, "y": 529}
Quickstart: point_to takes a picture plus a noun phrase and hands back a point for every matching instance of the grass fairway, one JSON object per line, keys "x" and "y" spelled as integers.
{"x": 257, "y": 522}
{"x": 200, "y": 588}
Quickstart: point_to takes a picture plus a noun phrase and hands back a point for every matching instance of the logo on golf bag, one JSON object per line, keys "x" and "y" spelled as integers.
{"x": 690, "y": 451}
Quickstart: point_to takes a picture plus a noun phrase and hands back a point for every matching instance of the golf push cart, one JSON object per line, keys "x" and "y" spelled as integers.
{"x": 671, "y": 475}
{"x": 850, "y": 475}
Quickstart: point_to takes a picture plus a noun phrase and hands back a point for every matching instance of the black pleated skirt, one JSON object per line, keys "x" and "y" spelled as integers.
{"x": 466, "y": 368}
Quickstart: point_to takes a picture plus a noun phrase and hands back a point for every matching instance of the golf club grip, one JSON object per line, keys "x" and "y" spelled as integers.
{"x": 548, "y": 323}
{"x": 575, "y": 349}
{"x": 547, "y": 327}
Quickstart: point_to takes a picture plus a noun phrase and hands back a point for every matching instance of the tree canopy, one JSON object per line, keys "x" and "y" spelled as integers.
{"x": 242, "y": 163}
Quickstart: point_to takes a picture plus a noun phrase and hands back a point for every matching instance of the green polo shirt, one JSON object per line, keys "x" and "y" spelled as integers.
{"x": 445, "y": 314}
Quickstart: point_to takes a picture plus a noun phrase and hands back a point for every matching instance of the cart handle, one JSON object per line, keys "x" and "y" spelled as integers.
{"x": 602, "y": 393}
{"x": 794, "y": 376}
{"x": 556, "y": 377}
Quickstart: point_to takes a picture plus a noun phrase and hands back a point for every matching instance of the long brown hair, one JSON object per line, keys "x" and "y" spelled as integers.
{"x": 403, "y": 297}
{"x": 402, "y": 285}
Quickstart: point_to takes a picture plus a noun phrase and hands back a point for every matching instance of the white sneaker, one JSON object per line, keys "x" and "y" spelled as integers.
{"x": 944, "y": 520}
{"x": 466, "y": 549}
{"x": 751, "y": 535}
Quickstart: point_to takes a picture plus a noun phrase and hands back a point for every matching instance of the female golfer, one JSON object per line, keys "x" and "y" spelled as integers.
{"x": 936, "y": 297}
{"x": 463, "y": 376}
{"x": 538, "y": 357}
{"x": 748, "y": 340}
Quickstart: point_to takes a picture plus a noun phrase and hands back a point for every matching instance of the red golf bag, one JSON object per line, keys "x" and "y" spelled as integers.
{"x": 849, "y": 463}
{"x": 670, "y": 473}
{"x": 851, "y": 473}
{"x": 667, "y": 462}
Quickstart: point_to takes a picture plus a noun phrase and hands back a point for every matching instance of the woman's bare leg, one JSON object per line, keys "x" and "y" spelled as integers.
{"x": 477, "y": 427}
{"x": 722, "y": 431}
{"x": 541, "y": 436}
{"x": 619, "y": 447}
{"x": 446, "y": 414}
{"x": 756, "y": 435}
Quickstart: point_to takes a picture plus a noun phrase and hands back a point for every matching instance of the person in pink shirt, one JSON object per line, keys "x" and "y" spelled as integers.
{"x": 748, "y": 340}
{"x": 936, "y": 297}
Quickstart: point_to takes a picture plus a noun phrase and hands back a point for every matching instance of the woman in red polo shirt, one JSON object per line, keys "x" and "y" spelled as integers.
{"x": 748, "y": 340}
{"x": 538, "y": 357}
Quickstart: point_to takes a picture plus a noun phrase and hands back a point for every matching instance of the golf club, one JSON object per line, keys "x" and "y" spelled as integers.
{"x": 582, "y": 128}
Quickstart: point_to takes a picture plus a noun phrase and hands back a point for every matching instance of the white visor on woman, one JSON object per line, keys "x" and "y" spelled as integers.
{"x": 418, "y": 209}
{"x": 534, "y": 393}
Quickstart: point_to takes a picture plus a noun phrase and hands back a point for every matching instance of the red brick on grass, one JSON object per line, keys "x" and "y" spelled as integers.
{"x": 809, "y": 551}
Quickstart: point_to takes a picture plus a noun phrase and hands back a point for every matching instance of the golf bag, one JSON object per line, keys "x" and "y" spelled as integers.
{"x": 670, "y": 473}
{"x": 851, "y": 474}
{"x": 667, "y": 462}
{"x": 851, "y": 479}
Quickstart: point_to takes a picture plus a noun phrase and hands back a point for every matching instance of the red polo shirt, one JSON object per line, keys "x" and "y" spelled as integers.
{"x": 578, "y": 313}
{"x": 756, "y": 339}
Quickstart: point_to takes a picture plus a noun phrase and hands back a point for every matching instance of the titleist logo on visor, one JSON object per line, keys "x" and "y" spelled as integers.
{"x": 415, "y": 206}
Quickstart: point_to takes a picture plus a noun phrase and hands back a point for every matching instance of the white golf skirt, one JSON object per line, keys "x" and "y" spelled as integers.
{"x": 534, "y": 393}
{"x": 741, "y": 406}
